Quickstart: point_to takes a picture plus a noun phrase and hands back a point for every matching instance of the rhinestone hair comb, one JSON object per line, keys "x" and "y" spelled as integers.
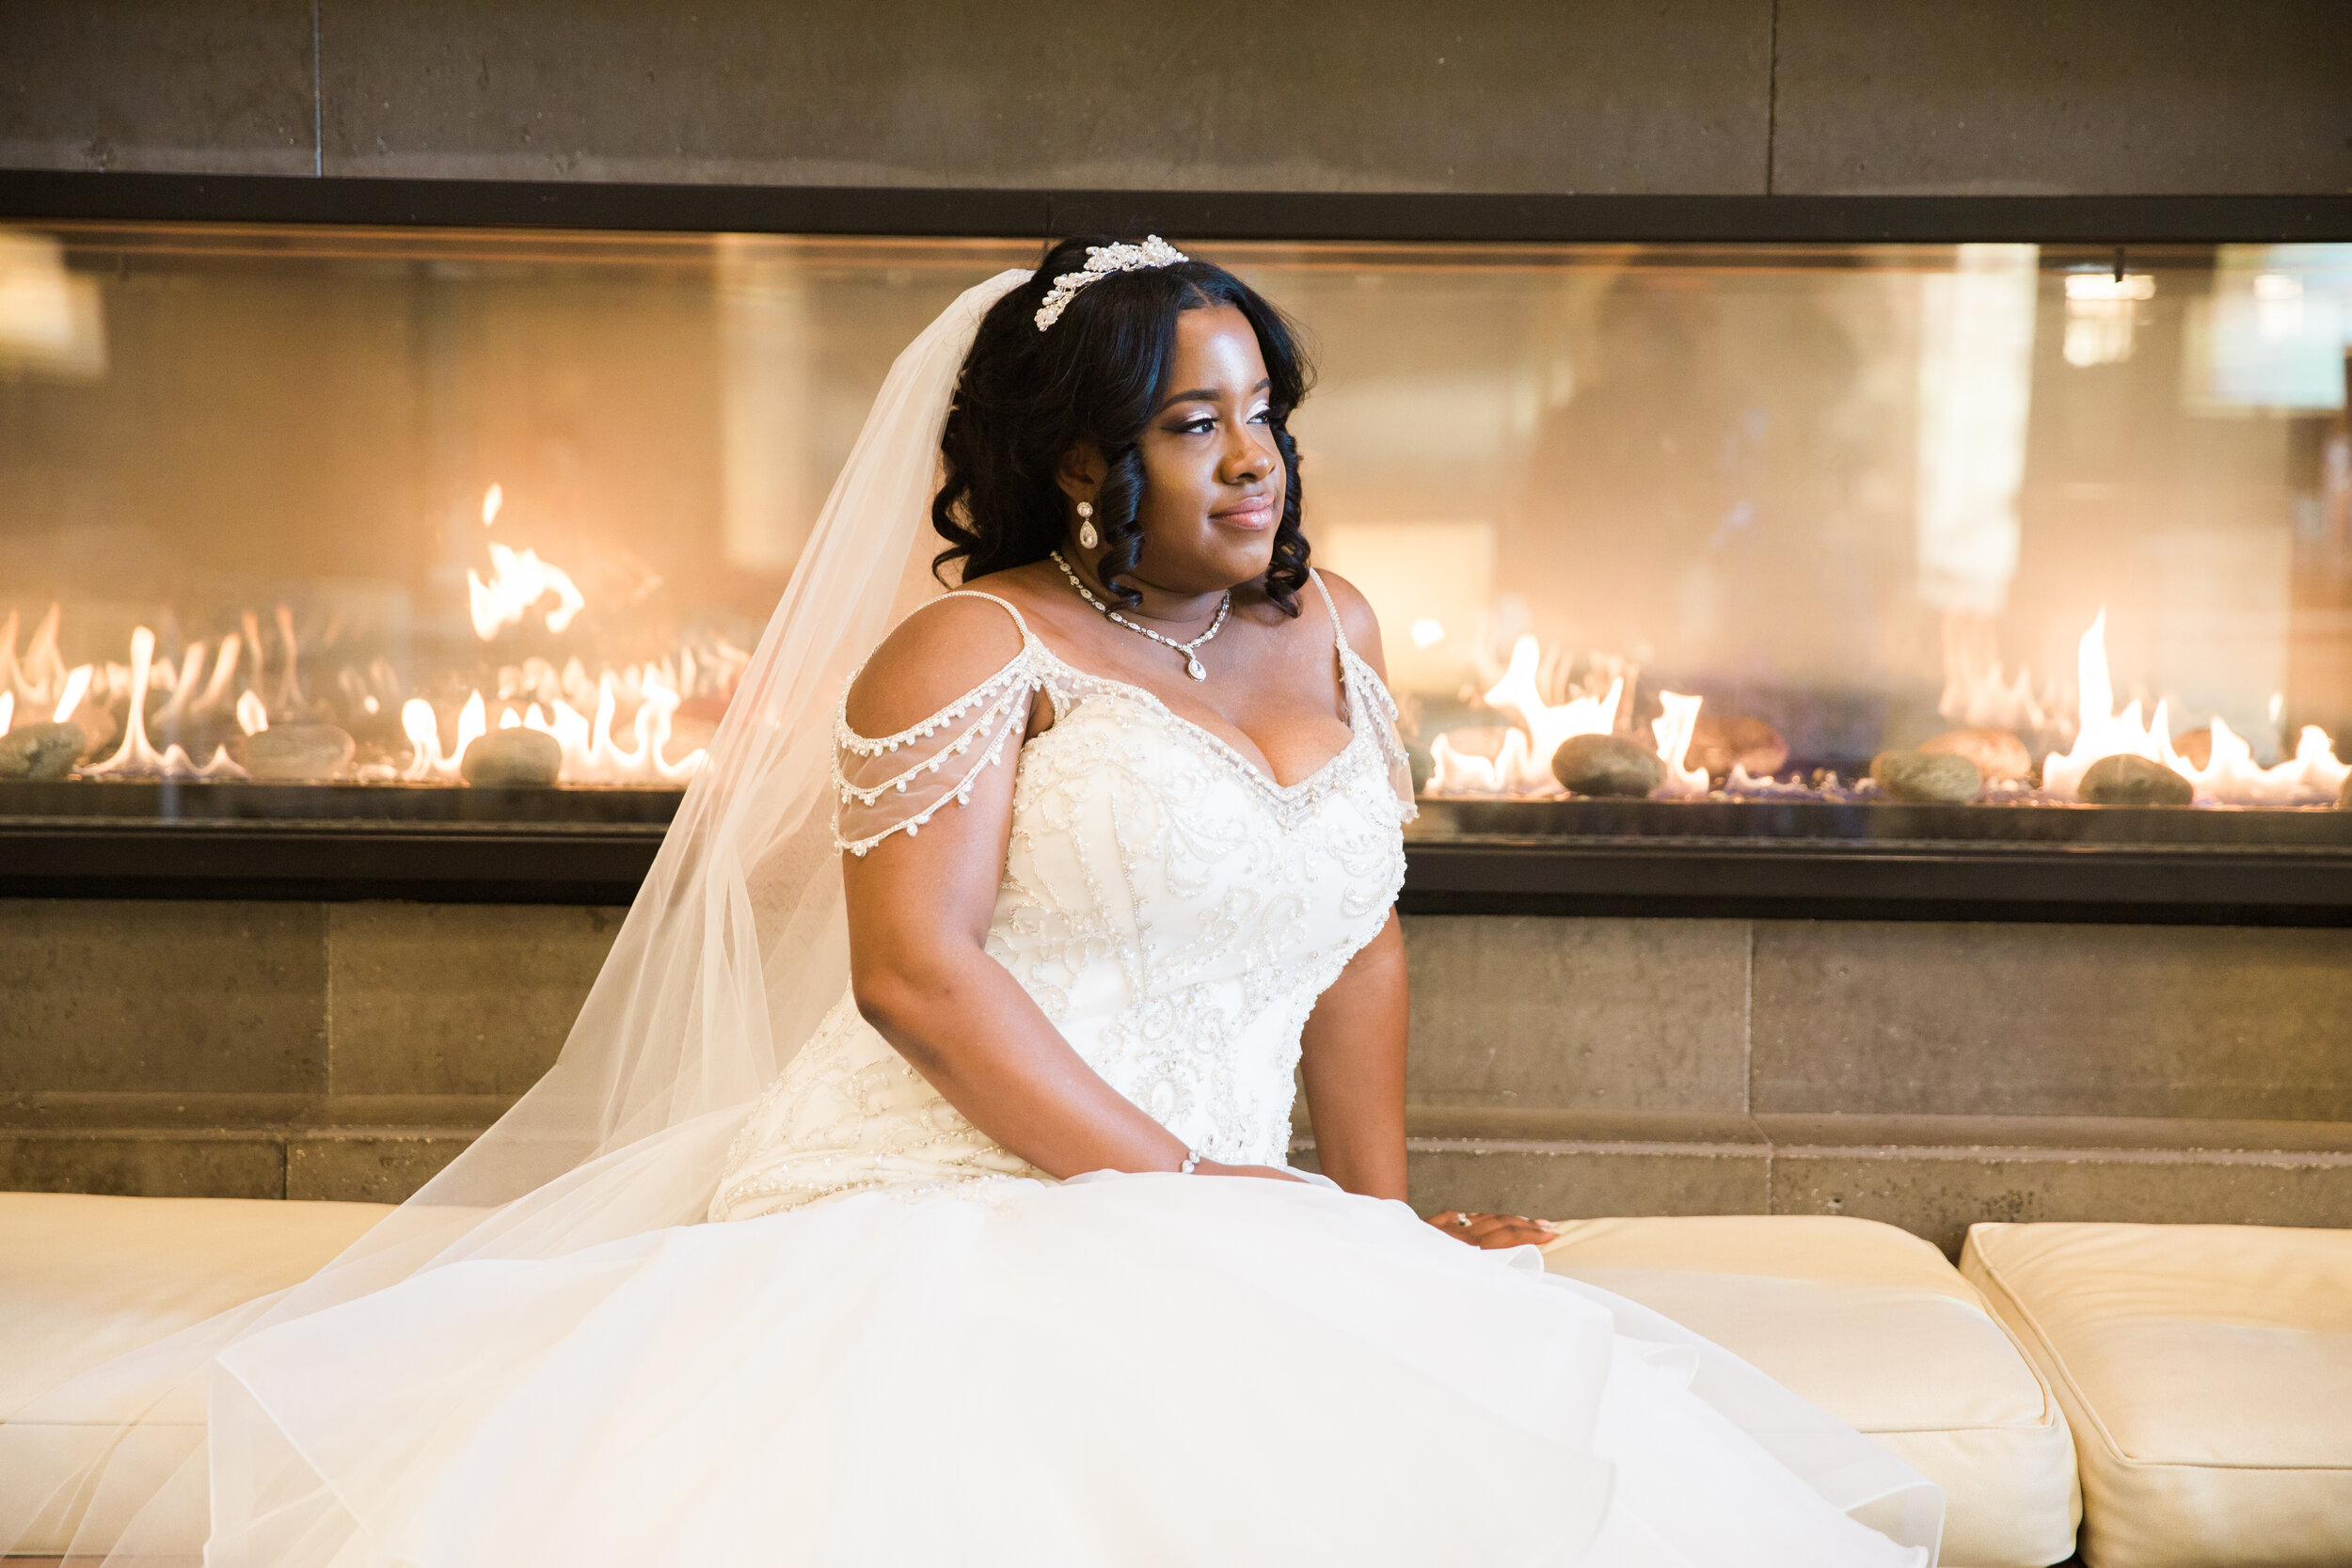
{"x": 1103, "y": 260}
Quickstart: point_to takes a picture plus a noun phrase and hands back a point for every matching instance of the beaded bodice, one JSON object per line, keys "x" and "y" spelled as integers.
{"x": 1171, "y": 908}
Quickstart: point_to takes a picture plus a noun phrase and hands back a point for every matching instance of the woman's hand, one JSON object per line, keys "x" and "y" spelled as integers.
{"x": 1493, "y": 1230}
{"x": 1270, "y": 1173}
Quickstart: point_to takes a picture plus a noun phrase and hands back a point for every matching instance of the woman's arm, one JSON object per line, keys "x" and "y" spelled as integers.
{"x": 1353, "y": 1054}
{"x": 919, "y": 909}
{"x": 1352, "y": 1059}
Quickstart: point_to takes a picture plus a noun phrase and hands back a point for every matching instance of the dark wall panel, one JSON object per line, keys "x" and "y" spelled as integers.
{"x": 1519, "y": 95}
{"x": 2092, "y": 97}
{"x": 219, "y": 86}
{"x": 1596, "y": 96}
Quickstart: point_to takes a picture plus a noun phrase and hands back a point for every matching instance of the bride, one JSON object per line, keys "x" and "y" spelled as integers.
{"x": 967, "y": 1018}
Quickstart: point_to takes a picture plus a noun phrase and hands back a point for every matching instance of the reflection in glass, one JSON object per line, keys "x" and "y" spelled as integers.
{"x": 421, "y": 512}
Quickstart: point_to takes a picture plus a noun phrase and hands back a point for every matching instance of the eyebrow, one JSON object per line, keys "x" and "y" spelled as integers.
{"x": 1205, "y": 394}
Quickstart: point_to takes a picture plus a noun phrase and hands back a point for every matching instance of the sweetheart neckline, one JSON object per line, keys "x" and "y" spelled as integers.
{"x": 1263, "y": 778}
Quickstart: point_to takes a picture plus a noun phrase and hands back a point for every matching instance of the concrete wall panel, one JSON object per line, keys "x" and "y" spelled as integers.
{"x": 219, "y": 86}
{"x": 1589, "y": 1015}
{"x": 1568, "y": 1182}
{"x": 143, "y": 1166}
{"x": 2051, "y": 1021}
{"x": 2129, "y": 96}
{"x": 363, "y": 1168}
{"x": 103, "y": 995}
{"x": 1518, "y": 95}
{"x": 456, "y": 999}
{"x": 1674, "y": 96}
{"x": 1939, "y": 1194}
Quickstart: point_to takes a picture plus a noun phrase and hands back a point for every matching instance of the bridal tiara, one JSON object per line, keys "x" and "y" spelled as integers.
{"x": 1103, "y": 260}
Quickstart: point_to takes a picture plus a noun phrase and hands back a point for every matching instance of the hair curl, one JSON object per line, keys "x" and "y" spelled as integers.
{"x": 1026, "y": 398}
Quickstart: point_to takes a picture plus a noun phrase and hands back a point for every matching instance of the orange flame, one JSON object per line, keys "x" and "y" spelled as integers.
{"x": 1521, "y": 765}
{"x": 428, "y": 763}
{"x": 1526, "y": 765}
{"x": 76, "y": 688}
{"x": 137, "y": 756}
{"x": 520, "y": 580}
{"x": 1977, "y": 691}
{"x": 599, "y": 749}
{"x": 1674, "y": 729}
{"x": 2230, "y": 777}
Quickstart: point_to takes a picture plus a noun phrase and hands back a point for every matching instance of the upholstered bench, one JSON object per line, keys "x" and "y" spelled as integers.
{"x": 1863, "y": 1319}
{"x": 85, "y": 1279}
{"x": 2206, "y": 1370}
{"x": 1871, "y": 1325}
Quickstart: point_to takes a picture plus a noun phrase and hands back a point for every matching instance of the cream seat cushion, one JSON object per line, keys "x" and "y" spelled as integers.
{"x": 2207, "y": 1372}
{"x": 1874, "y": 1326}
{"x": 84, "y": 1279}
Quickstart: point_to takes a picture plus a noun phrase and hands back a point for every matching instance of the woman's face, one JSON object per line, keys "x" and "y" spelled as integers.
{"x": 1212, "y": 480}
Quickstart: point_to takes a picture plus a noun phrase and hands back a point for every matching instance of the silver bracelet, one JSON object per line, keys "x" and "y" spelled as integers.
{"x": 1190, "y": 1161}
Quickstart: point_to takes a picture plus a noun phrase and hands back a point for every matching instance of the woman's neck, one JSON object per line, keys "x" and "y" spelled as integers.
{"x": 1159, "y": 607}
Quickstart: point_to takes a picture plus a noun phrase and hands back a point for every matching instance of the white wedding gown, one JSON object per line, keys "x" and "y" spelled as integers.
{"x": 905, "y": 1346}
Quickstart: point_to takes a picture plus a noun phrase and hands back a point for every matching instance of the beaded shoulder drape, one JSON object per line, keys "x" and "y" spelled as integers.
{"x": 1174, "y": 912}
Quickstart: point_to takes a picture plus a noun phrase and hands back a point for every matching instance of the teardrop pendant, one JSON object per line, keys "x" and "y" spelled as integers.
{"x": 1194, "y": 668}
{"x": 1087, "y": 538}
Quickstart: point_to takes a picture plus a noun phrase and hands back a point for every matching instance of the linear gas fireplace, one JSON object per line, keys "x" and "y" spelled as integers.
{"x": 2011, "y": 570}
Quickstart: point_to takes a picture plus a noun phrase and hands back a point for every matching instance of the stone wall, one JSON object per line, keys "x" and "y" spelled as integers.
{"x": 1628, "y": 96}
{"x": 1923, "y": 1073}
{"x": 1926, "y": 1075}
{"x": 265, "y": 1050}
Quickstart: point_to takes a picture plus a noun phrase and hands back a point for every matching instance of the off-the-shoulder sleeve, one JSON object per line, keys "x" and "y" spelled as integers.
{"x": 897, "y": 782}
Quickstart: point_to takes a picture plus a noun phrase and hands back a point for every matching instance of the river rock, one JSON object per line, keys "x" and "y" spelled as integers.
{"x": 2195, "y": 748}
{"x": 101, "y": 729}
{"x": 1719, "y": 744}
{"x": 39, "y": 753}
{"x": 513, "y": 756}
{"x": 294, "y": 751}
{"x": 2129, "y": 781}
{"x": 1998, "y": 753}
{"x": 1928, "y": 778}
{"x": 1607, "y": 764}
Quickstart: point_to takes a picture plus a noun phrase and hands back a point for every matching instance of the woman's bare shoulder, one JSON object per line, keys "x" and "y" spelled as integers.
{"x": 933, "y": 657}
{"x": 1357, "y": 617}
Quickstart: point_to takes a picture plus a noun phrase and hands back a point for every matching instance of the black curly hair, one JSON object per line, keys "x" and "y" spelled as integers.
{"x": 1026, "y": 397}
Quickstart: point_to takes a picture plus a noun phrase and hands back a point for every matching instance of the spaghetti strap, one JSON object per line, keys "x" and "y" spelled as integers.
{"x": 1027, "y": 635}
{"x": 1339, "y": 632}
{"x": 1368, "y": 696}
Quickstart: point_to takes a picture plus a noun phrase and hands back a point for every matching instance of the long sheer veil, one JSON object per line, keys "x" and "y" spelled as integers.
{"x": 735, "y": 948}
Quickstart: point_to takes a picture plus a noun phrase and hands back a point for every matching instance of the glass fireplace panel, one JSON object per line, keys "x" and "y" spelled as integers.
{"x": 303, "y": 521}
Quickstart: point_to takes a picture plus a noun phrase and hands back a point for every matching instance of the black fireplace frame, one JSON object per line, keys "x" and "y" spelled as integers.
{"x": 1860, "y": 875}
{"x": 45, "y": 196}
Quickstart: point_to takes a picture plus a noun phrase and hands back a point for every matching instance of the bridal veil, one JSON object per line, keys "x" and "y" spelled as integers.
{"x": 732, "y": 953}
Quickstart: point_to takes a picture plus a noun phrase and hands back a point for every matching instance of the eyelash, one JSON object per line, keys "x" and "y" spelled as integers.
{"x": 1202, "y": 426}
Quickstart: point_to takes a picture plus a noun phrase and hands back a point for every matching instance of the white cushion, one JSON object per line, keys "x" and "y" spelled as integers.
{"x": 84, "y": 1279}
{"x": 1871, "y": 1325}
{"x": 2207, "y": 1372}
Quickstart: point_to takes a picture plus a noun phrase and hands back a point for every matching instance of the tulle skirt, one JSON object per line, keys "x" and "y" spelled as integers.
{"x": 1119, "y": 1371}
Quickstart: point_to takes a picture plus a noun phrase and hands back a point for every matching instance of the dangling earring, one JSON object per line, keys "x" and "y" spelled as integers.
{"x": 1087, "y": 538}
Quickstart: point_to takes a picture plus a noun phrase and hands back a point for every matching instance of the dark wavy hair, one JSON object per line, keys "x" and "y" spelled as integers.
{"x": 1026, "y": 397}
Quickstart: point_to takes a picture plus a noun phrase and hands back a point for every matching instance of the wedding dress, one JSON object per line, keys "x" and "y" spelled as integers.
{"x": 904, "y": 1345}
{"x": 711, "y": 1294}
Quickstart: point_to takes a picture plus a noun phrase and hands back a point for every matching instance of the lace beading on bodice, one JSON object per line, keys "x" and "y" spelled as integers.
{"x": 1171, "y": 909}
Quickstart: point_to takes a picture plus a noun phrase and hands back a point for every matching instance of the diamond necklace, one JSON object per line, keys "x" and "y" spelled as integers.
{"x": 1193, "y": 666}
